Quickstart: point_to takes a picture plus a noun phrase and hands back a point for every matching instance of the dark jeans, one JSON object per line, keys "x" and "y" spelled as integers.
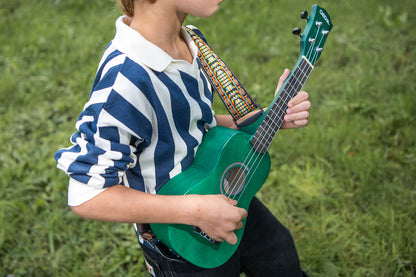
{"x": 266, "y": 249}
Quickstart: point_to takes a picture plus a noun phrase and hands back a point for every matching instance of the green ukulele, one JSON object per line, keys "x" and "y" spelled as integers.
{"x": 235, "y": 163}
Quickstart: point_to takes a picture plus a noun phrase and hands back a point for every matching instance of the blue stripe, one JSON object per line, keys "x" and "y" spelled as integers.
{"x": 179, "y": 104}
{"x": 142, "y": 124}
{"x": 192, "y": 87}
{"x": 89, "y": 128}
{"x": 127, "y": 114}
{"x": 109, "y": 80}
{"x": 80, "y": 177}
{"x": 207, "y": 92}
{"x": 135, "y": 178}
{"x": 164, "y": 152}
{"x": 181, "y": 111}
{"x": 74, "y": 149}
{"x": 83, "y": 163}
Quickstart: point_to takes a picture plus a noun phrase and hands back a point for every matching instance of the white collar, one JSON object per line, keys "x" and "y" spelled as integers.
{"x": 128, "y": 41}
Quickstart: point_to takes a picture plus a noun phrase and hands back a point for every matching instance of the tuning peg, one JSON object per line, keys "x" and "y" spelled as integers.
{"x": 304, "y": 15}
{"x": 296, "y": 31}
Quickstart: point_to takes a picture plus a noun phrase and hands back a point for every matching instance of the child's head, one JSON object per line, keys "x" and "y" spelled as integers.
{"x": 128, "y": 6}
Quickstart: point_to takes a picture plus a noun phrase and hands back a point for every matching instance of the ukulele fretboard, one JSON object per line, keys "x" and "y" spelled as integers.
{"x": 273, "y": 119}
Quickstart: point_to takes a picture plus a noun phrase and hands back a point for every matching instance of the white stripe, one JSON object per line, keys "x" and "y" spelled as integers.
{"x": 84, "y": 119}
{"x": 98, "y": 96}
{"x": 132, "y": 94}
{"x": 136, "y": 98}
{"x": 195, "y": 112}
{"x": 112, "y": 63}
{"x": 163, "y": 94}
{"x": 67, "y": 158}
{"x": 125, "y": 133}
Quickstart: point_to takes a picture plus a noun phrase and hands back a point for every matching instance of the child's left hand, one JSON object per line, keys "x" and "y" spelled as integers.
{"x": 297, "y": 114}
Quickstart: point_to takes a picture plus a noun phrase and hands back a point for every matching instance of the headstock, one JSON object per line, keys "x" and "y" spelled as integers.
{"x": 314, "y": 36}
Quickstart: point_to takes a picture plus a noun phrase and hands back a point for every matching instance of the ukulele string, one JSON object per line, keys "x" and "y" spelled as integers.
{"x": 309, "y": 53}
{"x": 289, "y": 96}
{"x": 257, "y": 162}
{"x": 248, "y": 162}
{"x": 315, "y": 55}
{"x": 272, "y": 122}
{"x": 236, "y": 189}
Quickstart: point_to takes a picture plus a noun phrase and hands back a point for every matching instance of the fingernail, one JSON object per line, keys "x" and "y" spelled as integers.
{"x": 287, "y": 118}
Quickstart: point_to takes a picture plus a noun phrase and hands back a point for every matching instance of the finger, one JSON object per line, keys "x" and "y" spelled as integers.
{"x": 282, "y": 79}
{"x": 284, "y": 76}
{"x": 218, "y": 239}
{"x": 243, "y": 213}
{"x": 231, "y": 238}
{"x": 301, "y": 123}
{"x": 297, "y": 116}
{"x": 231, "y": 201}
{"x": 301, "y": 107}
{"x": 295, "y": 124}
{"x": 301, "y": 96}
{"x": 239, "y": 225}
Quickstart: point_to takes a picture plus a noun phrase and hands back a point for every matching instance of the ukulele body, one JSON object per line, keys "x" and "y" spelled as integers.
{"x": 225, "y": 163}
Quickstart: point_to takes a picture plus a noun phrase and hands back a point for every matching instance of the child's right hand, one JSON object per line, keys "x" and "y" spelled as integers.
{"x": 217, "y": 215}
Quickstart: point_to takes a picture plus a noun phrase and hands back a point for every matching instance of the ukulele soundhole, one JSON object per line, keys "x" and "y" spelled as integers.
{"x": 233, "y": 179}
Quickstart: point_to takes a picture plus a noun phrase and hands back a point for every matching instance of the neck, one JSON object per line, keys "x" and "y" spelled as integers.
{"x": 273, "y": 118}
{"x": 162, "y": 26}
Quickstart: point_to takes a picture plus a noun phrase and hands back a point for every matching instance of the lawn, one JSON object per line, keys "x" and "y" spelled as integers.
{"x": 345, "y": 185}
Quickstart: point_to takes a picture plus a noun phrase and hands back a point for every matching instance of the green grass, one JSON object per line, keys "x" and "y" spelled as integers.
{"x": 345, "y": 185}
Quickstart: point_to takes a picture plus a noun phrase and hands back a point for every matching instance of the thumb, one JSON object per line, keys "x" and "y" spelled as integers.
{"x": 282, "y": 79}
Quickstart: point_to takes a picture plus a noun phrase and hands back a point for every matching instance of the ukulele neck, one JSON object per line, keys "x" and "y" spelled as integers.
{"x": 273, "y": 118}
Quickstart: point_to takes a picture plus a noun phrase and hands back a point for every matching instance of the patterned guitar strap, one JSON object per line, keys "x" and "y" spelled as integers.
{"x": 232, "y": 93}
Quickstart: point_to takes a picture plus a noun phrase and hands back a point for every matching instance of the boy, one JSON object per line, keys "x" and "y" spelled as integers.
{"x": 149, "y": 108}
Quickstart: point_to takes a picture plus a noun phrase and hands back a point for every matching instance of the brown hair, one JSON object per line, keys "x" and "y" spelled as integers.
{"x": 128, "y": 6}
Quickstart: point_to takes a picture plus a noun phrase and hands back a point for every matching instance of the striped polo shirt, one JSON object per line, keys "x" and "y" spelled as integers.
{"x": 146, "y": 116}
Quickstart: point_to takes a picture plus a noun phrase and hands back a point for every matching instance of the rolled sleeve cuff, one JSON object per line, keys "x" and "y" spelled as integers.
{"x": 79, "y": 193}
